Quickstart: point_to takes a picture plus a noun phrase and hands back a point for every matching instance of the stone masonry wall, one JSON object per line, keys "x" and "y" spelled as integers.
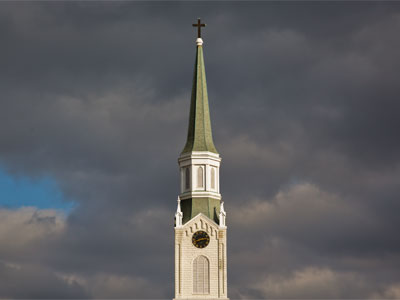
{"x": 186, "y": 252}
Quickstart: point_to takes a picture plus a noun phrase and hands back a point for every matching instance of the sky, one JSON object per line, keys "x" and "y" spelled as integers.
{"x": 94, "y": 107}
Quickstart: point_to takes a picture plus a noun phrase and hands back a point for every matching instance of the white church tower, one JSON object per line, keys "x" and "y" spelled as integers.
{"x": 200, "y": 230}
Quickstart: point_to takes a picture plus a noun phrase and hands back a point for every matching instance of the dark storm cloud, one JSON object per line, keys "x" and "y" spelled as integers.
{"x": 303, "y": 100}
{"x": 22, "y": 235}
{"x": 34, "y": 282}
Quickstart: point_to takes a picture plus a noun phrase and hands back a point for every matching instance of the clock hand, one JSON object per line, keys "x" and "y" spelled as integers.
{"x": 201, "y": 239}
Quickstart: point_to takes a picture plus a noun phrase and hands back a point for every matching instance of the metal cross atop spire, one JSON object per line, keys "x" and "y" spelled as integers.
{"x": 199, "y": 25}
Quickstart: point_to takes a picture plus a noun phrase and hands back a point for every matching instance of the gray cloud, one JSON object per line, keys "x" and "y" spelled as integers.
{"x": 304, "y": 108}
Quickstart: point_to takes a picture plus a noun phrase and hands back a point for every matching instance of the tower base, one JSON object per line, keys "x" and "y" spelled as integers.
{"x": 200, "y": 298}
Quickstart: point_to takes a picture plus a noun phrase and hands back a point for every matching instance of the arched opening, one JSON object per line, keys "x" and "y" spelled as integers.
{"x": 213, "y": 178}
{"x": 200, "y": 176}
{"x": 187, "y": 178}
{"x": 201, "y": 278}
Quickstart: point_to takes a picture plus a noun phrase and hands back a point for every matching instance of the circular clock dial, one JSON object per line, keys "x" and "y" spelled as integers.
{"x": 200, "y": 239}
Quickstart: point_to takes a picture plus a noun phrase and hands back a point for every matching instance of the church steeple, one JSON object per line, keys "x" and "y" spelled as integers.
{"x": 200, "y": 218}
{"x": 199, "y": 161}
{"x": 199, "y": 136}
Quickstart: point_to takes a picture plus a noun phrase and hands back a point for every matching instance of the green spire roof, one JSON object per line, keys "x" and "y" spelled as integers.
{"x": 199, "y": 136}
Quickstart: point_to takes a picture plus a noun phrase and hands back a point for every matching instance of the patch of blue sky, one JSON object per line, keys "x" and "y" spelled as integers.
{"x": 43, "y": 193}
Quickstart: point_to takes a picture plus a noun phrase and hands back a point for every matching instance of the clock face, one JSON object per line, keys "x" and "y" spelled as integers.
{"x": 200, "y": 239}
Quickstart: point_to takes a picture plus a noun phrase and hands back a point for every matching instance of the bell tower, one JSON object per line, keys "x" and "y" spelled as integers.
{"x": 200, "y": 230}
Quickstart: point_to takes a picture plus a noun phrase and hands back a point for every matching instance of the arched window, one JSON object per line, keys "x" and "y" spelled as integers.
{"x": 200, "y": 176}
{"x": 187, "y": 178}
{"x": 201, "y": 276}
{"x": 213, "y": 178}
